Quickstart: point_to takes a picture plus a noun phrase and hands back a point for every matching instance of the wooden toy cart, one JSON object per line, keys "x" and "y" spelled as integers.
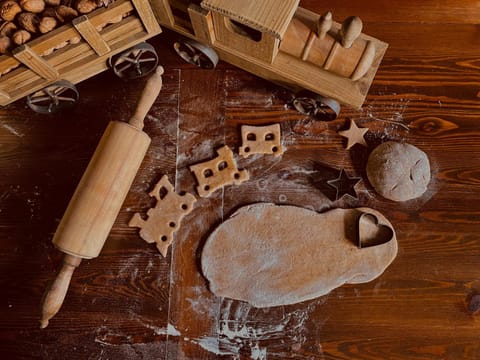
{"x": 46, "y": 68}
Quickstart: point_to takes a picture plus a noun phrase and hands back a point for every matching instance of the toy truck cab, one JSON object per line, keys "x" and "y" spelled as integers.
{"x": 283, "y": 43}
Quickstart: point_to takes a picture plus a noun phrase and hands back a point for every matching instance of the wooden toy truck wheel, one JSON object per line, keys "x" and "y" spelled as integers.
{"x": 135, "y": 62}
{"x": 320, "y": 107}
{"x": 196, "y": 53}
{"x": 53, "y": 98}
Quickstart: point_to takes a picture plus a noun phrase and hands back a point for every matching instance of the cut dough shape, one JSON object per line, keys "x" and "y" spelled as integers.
{"x": 261, "y": 140}
{"x": 269, "y": 255}
{"x": 354, "y": 135}
{"x": 165, "y": 218}
{"x": 214, "y": 174}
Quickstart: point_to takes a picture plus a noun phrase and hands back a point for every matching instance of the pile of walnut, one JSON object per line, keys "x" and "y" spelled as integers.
{"x": 23, "y": 19}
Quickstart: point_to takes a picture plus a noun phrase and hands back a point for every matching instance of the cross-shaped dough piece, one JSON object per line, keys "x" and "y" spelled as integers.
{"x": 165, "y": 218}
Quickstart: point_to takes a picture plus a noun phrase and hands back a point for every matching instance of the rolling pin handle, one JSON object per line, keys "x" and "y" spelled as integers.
{"x": 147, "y": 98}
{"x": 55, "y": 293}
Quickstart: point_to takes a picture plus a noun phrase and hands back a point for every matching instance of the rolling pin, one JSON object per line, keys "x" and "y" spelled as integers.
{"x": 100, "y": 194}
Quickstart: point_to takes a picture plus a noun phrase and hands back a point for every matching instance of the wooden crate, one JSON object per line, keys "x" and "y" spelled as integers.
{"x": 59, "y": 55}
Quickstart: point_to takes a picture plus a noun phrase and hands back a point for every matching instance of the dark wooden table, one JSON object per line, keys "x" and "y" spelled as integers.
{"x": 130, "y": 303}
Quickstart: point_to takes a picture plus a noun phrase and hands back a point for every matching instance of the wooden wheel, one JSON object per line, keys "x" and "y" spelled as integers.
{"x": 135, "y": 62}
{"x": 53, "y": 98}
{"x": 196, "y": 53}
{"x": 320, "y": 107}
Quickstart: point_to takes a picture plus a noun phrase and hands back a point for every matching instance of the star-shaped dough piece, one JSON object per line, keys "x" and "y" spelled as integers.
{"x": 354, "y": 135}
{"x": 344, "y": 185}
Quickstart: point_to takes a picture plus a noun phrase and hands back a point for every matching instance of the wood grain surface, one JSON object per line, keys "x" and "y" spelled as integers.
{"x": 131, "y": 303}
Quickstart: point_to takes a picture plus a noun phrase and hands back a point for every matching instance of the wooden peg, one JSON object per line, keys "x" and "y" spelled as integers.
{"x": 324, "y": 24}
{"x": 351, "y": 29}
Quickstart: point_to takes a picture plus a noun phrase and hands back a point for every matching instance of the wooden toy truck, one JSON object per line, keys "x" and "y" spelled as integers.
{"x": 281, "y": 42}
{"x": 276, "y": 40}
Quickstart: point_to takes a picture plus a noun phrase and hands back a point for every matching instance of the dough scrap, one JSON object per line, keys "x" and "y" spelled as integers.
{"x": 271, "y": 255}
{"x": 214, "y": 174}
{"x": 354, "y": 135}
{"x": 164, "y": 219}
{"x": 261, "y": 140}
{"x": 398, "y": 171}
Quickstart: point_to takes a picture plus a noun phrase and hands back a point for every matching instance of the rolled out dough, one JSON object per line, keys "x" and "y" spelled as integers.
{"x": 271, "y": 255}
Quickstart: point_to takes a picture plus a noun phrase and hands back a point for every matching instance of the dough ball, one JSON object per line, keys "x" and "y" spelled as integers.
{"x": 398, "y": 172}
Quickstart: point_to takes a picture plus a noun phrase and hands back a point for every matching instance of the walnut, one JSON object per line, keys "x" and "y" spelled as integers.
{"x": 65, "y": 13}
{"x": 34, "y": 6}
{"x": 104, "y": 2}
{"x": 47, "y": 24}
{"x": 49, "y": 12}
{"x": 7, "y": 28}
{"x": 21, "y": 37}
{"x": 5, "y": 44}
{"x": 9, "y": 9}
{"x": 29, "y": 21}
{"x": 86, "y": 6}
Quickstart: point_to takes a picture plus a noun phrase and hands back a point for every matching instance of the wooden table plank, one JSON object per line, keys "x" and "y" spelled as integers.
{"x": 200, "y": 132}
{"x": 401, "y": 11}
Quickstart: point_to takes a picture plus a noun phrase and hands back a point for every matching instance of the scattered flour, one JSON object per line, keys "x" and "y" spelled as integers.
{"x": 259, "y": 353}
{"x": 202, "y": 151}
{"x": 11, "y": 130}
{"x": 170, "y": 330}
{"x": 212, "y": 345}
{"x": 390, "y": 115}
{"x": 242, "y": 331}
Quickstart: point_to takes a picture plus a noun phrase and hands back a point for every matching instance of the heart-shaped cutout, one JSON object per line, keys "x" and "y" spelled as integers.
{"x": 371, "y": 232}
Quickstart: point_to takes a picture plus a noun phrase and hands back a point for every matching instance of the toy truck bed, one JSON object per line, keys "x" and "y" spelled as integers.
{"x": 76, "y": 51}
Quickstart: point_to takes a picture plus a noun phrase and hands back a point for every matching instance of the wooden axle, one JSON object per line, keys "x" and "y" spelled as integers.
{"x": 100, "y": 194}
